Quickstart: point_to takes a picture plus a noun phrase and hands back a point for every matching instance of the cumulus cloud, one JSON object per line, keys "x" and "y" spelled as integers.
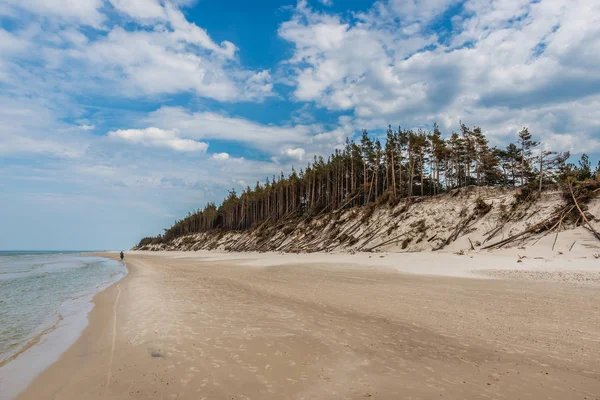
{"x": 156, "y": 52}
{"x": 499, "y": 61}
{"x": 221, "y": 156}
{"x": 155, "y": 137}
{"x": 154, "y": 63}
{"x": 297, "y": 153}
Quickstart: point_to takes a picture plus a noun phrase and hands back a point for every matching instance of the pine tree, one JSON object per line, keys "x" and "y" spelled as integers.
{"x": 390, "y": 153}
{"x": 438, "y": 152}
{"x": 550, "y": 165}
{"x": 513, "y": 158}
{"x": 368, "y": 158}
{"x": 584, "y": 170}
{"x": 401, "y": 145}
{"x": 481, "y": 152}
{"x": 526, "y": 147}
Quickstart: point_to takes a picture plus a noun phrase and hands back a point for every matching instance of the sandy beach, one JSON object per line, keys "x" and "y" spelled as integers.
{"x": 320, "y": 326}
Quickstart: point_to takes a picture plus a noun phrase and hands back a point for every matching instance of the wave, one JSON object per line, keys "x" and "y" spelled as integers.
{"x": 35, "y": 340}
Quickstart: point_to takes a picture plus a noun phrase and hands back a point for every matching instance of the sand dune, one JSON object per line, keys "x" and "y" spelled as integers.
{"x": 251, "y": 326}
{"x": 451, "y": 221}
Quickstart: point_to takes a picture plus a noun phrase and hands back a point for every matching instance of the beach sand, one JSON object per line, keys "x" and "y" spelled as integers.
{"x": 270, "y": 326}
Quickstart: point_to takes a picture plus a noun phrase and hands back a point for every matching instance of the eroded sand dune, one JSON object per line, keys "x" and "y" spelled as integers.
{"x": 462, "y": 220}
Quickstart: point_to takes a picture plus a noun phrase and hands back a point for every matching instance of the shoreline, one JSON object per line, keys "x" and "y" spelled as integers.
{"x": 96, "y": 321}
{"x": 32, "y": 342}
{"x": 47, "y": 347}
{"x": 267, "y": 326}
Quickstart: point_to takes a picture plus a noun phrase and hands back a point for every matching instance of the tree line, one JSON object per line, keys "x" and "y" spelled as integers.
{"x": 403, "y": 164}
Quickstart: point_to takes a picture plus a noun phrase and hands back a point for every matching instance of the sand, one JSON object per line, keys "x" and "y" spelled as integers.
{"x": 386, "y": 326}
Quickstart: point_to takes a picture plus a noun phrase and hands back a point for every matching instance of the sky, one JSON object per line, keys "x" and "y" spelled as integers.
{"x": 119, "y": 116}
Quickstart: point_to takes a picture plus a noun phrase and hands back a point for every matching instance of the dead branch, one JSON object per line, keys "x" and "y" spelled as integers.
{"x": 581, "y": 212}
{"x": 387, "y": 241}
{"x": 518, "y": 235}
{"x": 557, "y": 232}
{"x": 461, "y": 226}
{"x": 495, "y": 231}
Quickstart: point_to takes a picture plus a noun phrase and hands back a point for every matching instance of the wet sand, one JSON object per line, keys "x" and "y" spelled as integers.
{"x": 188, "y": 327}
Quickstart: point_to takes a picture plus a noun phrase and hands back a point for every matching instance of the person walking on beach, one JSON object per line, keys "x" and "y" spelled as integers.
{"x": 122, "y": 255}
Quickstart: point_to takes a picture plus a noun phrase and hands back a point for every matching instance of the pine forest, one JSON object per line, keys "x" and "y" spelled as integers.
{"x": 400, "y": 166}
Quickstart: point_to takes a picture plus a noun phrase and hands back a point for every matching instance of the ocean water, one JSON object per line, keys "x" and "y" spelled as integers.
{"x": 41, "y": 292}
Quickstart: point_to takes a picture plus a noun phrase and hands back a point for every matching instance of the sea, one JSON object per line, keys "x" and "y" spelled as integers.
{"x": 45, "y": 297}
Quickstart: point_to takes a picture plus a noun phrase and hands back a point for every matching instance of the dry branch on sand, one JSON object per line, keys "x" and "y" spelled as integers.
{"x": 554, "y": 220}
{"x": 581, "y": 212}
{"x": 459, "y": 228}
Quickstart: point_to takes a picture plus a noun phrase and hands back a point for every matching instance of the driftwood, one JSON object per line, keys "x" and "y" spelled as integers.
{"x": 558, "y": 223}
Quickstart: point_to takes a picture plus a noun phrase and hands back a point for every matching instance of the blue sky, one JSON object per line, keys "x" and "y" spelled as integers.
{"x": 119, "y": 116}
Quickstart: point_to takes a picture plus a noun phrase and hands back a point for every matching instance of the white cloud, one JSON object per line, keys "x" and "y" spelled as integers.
{"x": 286, "y": 142}
{"x": 87, "y": 127}
{"x": 211, "y": 125}
{"x": 297, "y": 153}
{"x": 160, "y": 53}
{"x": 191, "y": 33}
{"x": 155, "y": 137}
{"x": 157, "y": 62}
{"x": 83, "y": 12}
{"x": 259, "y": 84}
{"x": 343, "y": 66}
{"x": 503, "y": 60}
{"x": 221, "y": 156}
{"x": 164, "y": 62}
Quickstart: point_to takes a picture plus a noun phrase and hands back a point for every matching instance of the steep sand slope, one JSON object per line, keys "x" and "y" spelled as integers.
{"x": 467, "y": 219}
